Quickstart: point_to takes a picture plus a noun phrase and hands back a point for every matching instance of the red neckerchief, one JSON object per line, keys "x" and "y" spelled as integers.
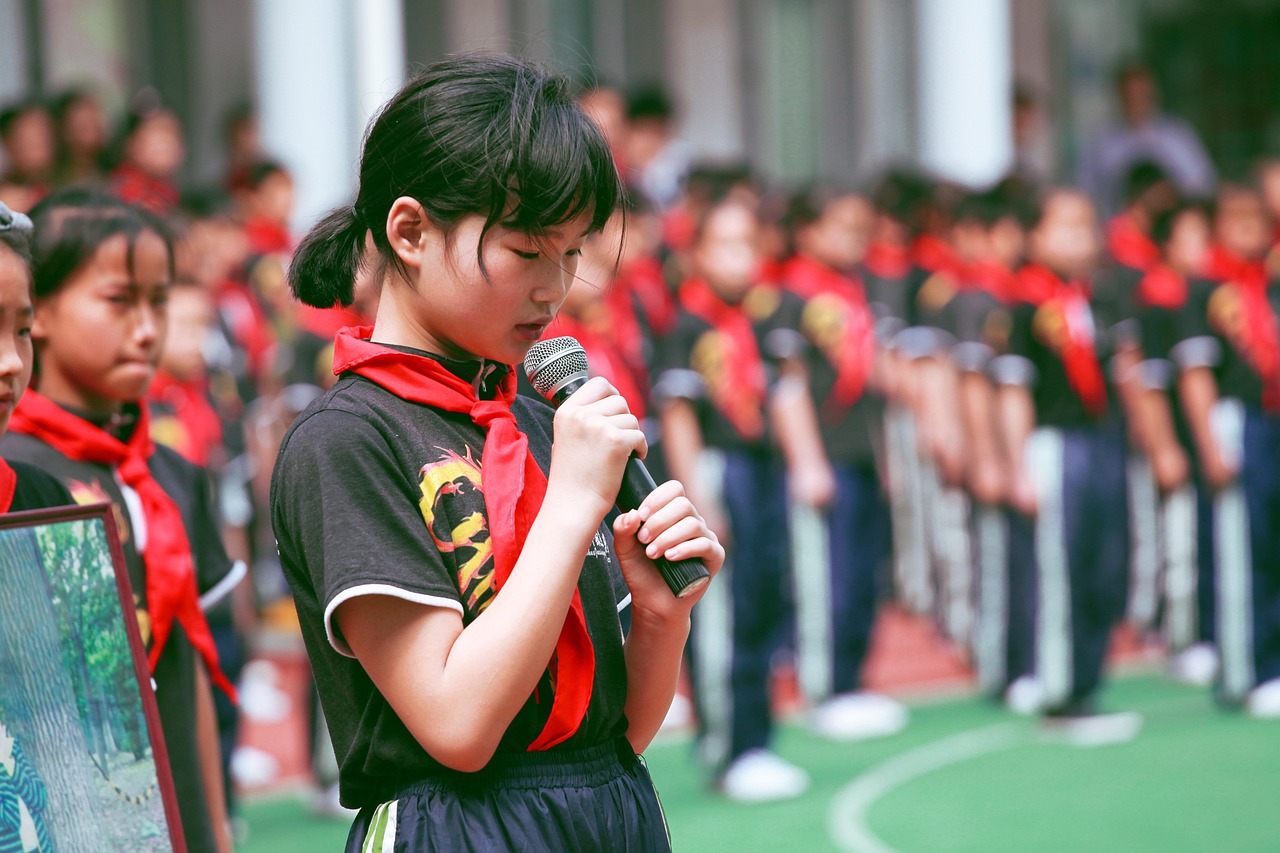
{"x": 189, "y": 400}
{"x": 267, "y": 238}
{"x": 171, "y": 578}
{"x": 247, "y": 320}
{"x": 1163, "y": 287}
{"x": 853, "y": 356}
{"x": 740, "y": 397}
{"x": 1250, "y": 280}
{"x": 597, "y": 336}
{"x": 993, "y": 278}
{"x": 8, "y": 485}
{"x": 1040, "y": 286}
{"x": 327, "y": 322}
{"x": 935, "y": 255}
{"x": 1129, "y": 245}
{"x": 887, "y": 261}
{"x": 643, "y": 278}
{"x": 134, "y": 186}
{"x": 513, "y": 486}
{"x": 679, "y": 228}
{"x": 616, "y": 316}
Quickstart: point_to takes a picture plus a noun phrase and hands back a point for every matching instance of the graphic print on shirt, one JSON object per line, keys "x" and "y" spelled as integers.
{"x": 92, "y": 493}
{"x": 453, "y": 508}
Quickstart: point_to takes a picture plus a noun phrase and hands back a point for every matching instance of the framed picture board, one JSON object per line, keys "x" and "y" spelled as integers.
{"x": 82, "y": 759}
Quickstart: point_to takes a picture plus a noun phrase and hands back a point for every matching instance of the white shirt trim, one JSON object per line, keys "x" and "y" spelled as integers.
{"x": 223, "y": 587}
{"x": 335, "y": 639}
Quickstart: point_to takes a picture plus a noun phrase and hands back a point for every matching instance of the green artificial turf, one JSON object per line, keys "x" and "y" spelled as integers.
{"x": 1196, "y": 780}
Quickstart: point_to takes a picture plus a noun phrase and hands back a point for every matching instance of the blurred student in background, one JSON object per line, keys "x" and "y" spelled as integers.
{"x": 27, "y": 135}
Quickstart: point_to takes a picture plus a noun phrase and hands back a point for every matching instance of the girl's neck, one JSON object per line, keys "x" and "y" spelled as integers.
{"x": 97, "y": 410}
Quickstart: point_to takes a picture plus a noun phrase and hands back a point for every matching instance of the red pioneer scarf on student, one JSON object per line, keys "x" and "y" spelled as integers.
{"x": 885, "y": 260}
{"x": 1129, "y": 245}
{"x": 603, "y": 354}
{"x": 1262, "y": 334}
{"x": 8, "y": 485}
{"x": 1038, "y": 285}
{"x": 171, "y": 590}
{"x": 513, "y": 486}
{"x": 740, "y": 396}
{"x": 1163, "y": 287}
{"x": 200, "y": 426}
{"x": 855, "y": 357}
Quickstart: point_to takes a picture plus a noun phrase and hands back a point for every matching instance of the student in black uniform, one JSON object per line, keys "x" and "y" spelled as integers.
{"x": 1230, "y": 389}
{"x": 1060, "y": 421}
{"x": 713, "y": 396}
{"x": 22, "y": 486}
{"x": 828, "y": 412}
{"x": 458, "y": 591}
{"x": 102, "y": 270}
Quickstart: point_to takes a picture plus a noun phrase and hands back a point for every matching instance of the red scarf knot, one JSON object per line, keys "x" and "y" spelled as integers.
{"x": 853, "y": 354}
{"x": 1065, "y": 324}
{"x": 739, "y": 392}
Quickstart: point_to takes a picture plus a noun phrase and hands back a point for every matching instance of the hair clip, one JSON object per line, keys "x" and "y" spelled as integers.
{"x": 11, "y": 220}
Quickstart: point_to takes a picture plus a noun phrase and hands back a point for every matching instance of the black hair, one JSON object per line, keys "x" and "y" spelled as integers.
{"x": 1162, "y": 224}
{"x": 209, "y": 202}
{"x": 252, "y": 176}
{"x": 902, "y": 195}
{"x": 1142, "y": 177}
{"x": 649, "y": 101}
{"x": 808, "y": 205}
{"x": 18, "y": 109}
{"x": 72, "y": 224}
{"x": 488, "y": 135}
{"x": 15, "y": 232}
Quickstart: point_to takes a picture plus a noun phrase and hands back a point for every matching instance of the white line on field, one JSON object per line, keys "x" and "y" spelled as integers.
{"x": 847, "y": 817}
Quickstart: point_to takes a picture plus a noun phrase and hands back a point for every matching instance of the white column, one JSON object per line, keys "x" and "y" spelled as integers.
{"x": 882, "y": 106}
{"x": 964, "y": 82}
{"x": 380, "y": 62}
{"x": 307, "y": 114}
{"x": 705, "y": 74}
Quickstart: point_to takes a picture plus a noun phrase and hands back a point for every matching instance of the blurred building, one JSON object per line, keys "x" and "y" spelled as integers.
{"x": 800, "y": 88}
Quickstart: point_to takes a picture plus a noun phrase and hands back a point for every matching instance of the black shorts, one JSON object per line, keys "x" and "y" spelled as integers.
{"x": 600, "y": 798}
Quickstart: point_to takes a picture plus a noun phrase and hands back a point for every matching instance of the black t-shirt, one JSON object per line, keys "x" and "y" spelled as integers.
{"x": 37, "y": 489}
{"x": 812, "y": 331}
{"x": 1214, "y": 333}
{"x": 374, "y": 494}
{"x": 1033, "y": 358}
{"x": 175, "y": 673}
{"x": 695, "y": 369}
{"x": 981, "y": 324}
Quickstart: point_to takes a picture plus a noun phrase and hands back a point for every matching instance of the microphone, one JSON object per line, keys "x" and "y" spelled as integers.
{"x": 556, "y": 368}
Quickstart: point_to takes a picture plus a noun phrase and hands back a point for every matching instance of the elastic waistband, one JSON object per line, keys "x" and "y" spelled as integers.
{"x": 585, "y": 767}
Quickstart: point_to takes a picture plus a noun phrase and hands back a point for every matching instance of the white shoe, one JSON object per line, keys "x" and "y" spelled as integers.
{"x": 1096, "y": 729}
{"x": 1196, "y": 665}
{"x": 1264, "y": 701}
{"x": 325, "y": 803}
{"x": 679, "y": 716}
{"x": 760, "y": 776}
{"x": 858, "y": 716}
{"x": 1025, "y": 696}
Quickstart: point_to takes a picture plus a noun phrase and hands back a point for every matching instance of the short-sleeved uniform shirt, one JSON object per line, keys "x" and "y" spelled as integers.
{"x": 36, "y": 489}
{"x": 376, "y": 495}
{"x": 1214, "y": 334}
{"x": 695, "y": 369}
{"x": 175, "y": 673}
{"x": 1033, "y": 358}
{"x": 813, "y": 331}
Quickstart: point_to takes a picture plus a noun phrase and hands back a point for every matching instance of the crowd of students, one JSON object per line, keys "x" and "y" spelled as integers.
{"x": 982, "y": 403}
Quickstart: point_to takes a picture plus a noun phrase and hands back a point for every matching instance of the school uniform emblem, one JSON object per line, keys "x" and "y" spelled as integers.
{"x": 452, "y": 505}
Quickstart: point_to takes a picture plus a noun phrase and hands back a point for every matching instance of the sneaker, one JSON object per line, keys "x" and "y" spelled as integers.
{"x": 1093, "y": 729}
{"x": 1264, "y": 701}
{"x": 1025, "y": 696}
{"x": 679, "y": 716}
{"x": 760, "y": 776}
{"x": 858, "y": 716}
{"x": 1196, "y": 665}
{"x": 325, "y": 803}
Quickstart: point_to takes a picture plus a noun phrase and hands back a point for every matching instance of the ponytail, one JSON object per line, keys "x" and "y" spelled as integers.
{"x": 327, "y": 261}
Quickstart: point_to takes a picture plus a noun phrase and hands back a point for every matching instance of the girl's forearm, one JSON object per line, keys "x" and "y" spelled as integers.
{"x": 653, "y": 654}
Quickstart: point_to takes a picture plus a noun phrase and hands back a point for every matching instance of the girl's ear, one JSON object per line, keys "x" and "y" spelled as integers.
{"x": 409, "y": 231}
{"x": 40, "y": 322}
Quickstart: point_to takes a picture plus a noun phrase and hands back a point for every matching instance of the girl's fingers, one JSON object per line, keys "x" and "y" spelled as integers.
{"x": 686, "y": 530}
{"x": 662, "y": 496}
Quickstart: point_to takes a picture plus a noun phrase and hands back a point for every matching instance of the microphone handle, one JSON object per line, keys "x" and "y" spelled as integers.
{"x": 684, "y": 577}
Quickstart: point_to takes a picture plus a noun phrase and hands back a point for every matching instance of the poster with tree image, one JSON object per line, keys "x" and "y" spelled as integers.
{"x": 82, "y": 761}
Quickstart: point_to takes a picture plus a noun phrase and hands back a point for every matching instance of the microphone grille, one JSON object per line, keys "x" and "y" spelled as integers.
{"x": 549, "y": 363}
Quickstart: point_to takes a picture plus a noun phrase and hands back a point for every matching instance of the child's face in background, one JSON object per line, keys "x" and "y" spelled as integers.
{"x": 726, "y": 254}
{"x": 839, "y": 238}
{"x": 1007, "y": 241}
{"x": 596, "y": 270}
{"x": 1241, "y": 225}
{"x": 100, "y": 334}
{"x": 157, "y": 146}
{"x": 1269, "y": 183}
{"x": 30, "y": 143}
{"x": 1066, "y": 239}
{"x": 1188, "y": 245}
{"x": 190, "y": 317}
{"x": 212, "y": 251}
{"x": 84, "y": 127}
{"x": 273, "y": 199}
{"x": 16, "y": 355}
